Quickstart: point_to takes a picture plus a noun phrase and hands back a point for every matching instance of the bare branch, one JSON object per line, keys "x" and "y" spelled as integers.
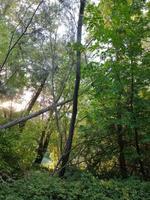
{"x": 20, "y": 37}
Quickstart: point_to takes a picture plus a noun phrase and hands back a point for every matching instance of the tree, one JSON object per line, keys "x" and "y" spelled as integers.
{"x": 65, "y": 156}
{"x": 118, "y": 30}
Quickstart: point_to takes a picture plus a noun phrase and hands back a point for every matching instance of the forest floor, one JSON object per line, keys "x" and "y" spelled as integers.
{"x": 37, "y": 185}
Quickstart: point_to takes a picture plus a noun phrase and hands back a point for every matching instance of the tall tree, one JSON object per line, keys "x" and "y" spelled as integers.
{"x": 66, "y": 153}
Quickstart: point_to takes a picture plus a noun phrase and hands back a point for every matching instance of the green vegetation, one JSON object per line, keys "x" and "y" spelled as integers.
{"x": 74, "y": 99}
{"x": 40, "y": 186}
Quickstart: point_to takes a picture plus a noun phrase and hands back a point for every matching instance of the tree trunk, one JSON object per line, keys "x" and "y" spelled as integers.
{"x": 119, "y": 127}
{"x": 42, "y": 148}
{"x": 121, "y": 159}
{"x": 65, "y": 156}
{"x": 32, "y": 102}
{"x": 57, "y": 115}
{"x": 131, "y": 109}
{"x": 139, "y": 154}
{"x": 59, "y": 131}
{"x": 33, "y": 115}
{"x": 43, "y": 143}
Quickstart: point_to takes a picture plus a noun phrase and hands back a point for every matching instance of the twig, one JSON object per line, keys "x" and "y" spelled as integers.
{"x": 19, "y": 38}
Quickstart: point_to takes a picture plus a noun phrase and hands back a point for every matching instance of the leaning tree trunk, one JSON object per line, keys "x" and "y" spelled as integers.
{"x": 65, "y": 156}
{"x": 32, "y": 102}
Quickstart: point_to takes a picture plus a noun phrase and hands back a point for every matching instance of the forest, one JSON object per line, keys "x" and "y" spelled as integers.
{"x": 74, "y": 99}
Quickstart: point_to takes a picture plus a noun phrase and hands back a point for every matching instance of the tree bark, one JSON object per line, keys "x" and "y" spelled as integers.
{"x": 139, "y": 153}
{"x": 121, "y": 159}
{"x": 135, "y": 130}
{"x": 43, "y": 143}
{"x": 119, "y": 127}
{"x": 32, "y": 102}
{"x": 32, "y": 115}
{"x": 65, "y": 156}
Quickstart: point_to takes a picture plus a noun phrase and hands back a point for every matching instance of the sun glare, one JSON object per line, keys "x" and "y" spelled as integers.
{"x": 17, "y": 105}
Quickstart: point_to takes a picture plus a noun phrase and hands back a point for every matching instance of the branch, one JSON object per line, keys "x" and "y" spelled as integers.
{"x": 32, "y": 115}
{"x": 20, "y": 37}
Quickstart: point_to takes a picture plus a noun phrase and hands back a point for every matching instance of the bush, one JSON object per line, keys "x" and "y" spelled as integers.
{"x": 40, "y": 186}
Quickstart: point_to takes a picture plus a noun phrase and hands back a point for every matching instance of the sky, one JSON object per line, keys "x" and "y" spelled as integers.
{"x": 20, "y": 105}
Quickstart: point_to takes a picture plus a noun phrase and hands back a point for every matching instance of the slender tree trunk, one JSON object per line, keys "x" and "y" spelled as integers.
{"x": 65, "y": 156}
{"x": 121, "y": 159}
{"x": 37, "y": 94}
{"x": 57, "y": 117}
{"x": 119, "y": 127}
{"x": 59, "y": 130}
{"x": 43, "y": 143}
{"x": 135, "y": 130}
{"x": 32, "y": 102}
{"x": 139, "y": 153}
{"x": 42, "y": 148}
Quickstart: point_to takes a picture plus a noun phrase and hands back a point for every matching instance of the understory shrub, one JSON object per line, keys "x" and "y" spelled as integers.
{"x": 40, "y": 186}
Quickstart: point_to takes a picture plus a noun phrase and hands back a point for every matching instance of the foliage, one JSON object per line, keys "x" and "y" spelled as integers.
{"x": 118, "y": 76}
{"x": 39, "y": 185}
{"x": 112, "y": 131}
{"x": 17, "y": 149}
